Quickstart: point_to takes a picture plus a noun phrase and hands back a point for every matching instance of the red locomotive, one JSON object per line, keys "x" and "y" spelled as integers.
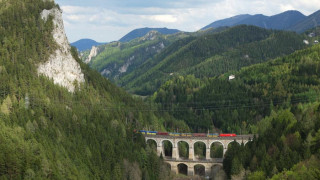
{"x": 228, "y": 135}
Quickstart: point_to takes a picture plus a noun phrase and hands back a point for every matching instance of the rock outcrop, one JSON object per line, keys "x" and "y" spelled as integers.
{"x": 150, "y": 36}
{"x": 61, "y": 66}
{"x": 93, "y": 53}
{"x": 124, "y": 68}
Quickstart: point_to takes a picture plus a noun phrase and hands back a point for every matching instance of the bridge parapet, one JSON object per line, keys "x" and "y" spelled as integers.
{"x": 238, "y": 137}
{"x": 212, "y": 160}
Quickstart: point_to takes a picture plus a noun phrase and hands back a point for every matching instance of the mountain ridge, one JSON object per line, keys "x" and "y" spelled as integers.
{"x": 281, "y": 21}
{"x": 312, "y": 21}
{"x": 140, "y": 32}
{"x": 85, "y": 44}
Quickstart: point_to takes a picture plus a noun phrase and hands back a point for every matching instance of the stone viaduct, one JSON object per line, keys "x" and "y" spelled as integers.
{"x": 175, "y": 161}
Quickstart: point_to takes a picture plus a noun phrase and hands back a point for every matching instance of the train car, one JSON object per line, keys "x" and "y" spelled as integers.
{"x": 228, "y": 135}
{"x": 186, "y": 134}
{"x": 174, "y": 134}
{"x": 199, "y": 134}
{"x": 152, "y": 132}
{"x": 143, "y": 132}
{"x": 163, "y": 133}
{"x": 213, "y": 135}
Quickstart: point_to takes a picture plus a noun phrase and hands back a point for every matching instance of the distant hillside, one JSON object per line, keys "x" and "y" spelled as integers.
{"x": 310, "y": 22}
{"x": 211, "y": 55}
{"x": 285, "y": 20}
{"x": 85, "y": 44}
{"x": 282, "y": 21}
{"x": 117, "y": 59}
{"x": 143, "y": 31}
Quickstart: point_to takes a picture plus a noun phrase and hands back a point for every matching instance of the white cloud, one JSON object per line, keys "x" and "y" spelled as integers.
{"x": 307, "y": 6}
{"x": 107, "y": 20}
{"x": 78, "y": 10}
{"x": 164, "y": 18}
{"x": 75, "y": 17}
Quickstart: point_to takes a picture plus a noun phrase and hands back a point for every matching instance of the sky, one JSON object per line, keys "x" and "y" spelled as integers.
{"x": 109, "y": 20}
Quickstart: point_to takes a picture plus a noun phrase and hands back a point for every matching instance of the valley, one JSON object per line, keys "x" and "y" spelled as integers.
{"x": 237, "y": 99}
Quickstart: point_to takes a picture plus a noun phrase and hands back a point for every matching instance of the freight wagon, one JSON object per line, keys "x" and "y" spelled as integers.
{"x": 186, "y": 134}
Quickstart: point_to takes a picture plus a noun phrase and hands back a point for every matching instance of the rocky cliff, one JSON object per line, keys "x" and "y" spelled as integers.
{"x": 61, "y": 66}
{"x": 93, "y": 53}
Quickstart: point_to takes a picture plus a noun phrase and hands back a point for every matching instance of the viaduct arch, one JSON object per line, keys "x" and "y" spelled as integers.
{"x": 191, "y": 162}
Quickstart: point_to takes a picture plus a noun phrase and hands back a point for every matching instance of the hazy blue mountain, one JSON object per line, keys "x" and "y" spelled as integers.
{"x": 85, "y": 44}
{"x": 285, "y": 20}
{"x": 143, "y": 31}
{"x": 255, "y": 20}
{"x": 228, "y": 21}
{"x": 309, "y": 22}
{"x": 282, "y": 21}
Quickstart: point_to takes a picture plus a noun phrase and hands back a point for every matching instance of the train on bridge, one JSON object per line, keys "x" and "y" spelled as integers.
{"x": 186, "y": 134}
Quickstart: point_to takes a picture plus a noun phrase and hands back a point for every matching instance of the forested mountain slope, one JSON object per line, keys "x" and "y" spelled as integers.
{"x": 48, "y": 132}
{"x": 117, "y": 59}
{"x": 278, "y": 100}
{"x": 211, "y": 55}
{"x": 257, "y": 87}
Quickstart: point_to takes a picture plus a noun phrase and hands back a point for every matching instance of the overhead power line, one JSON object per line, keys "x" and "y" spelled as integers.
{"x": 143, "y": 107}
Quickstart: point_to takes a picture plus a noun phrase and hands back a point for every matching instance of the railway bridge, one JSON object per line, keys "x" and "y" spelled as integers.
{"x": 192, "y": 161}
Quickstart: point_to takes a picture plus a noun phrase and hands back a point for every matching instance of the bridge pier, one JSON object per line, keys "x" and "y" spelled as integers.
{"x": 174, "y": 168}
{"x": 190, "y": 170}
{"x": 207, "y": 171}
{"x": 159, "y": 150}
{"x": 175, "y": 153}
{"x": 224, "y": 150}
{"x": 208, "y": 153}
{"x": 191, "y": 153}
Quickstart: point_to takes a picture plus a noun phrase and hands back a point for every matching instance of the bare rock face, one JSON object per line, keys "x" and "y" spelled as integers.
{"x": 93, "y": 53}
{"x": 150, "y": 36}
{"x": 61, "y": 66}
{"x": 124, "y": 68}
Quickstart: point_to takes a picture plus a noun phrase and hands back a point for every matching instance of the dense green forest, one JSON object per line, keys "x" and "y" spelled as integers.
{"x": 278, "y": 99}
{"x": 231, "y": 104}
{"x": 116, "y": 59}
{"x": 47, "y": 132}
{"x": 142, "y": 65}
{"x": 211, "y": 55}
